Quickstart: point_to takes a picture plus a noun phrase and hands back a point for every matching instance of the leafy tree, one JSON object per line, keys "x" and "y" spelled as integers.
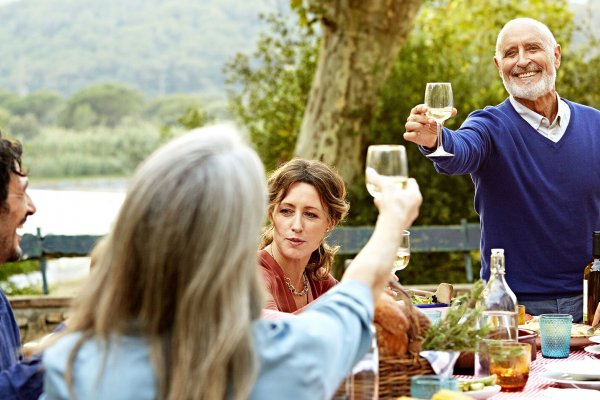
{"x": 43, "y": 105}
{"x": 268, "y": 90}
{"x": 105, "y": 104}
{"x": 166, "y": 110}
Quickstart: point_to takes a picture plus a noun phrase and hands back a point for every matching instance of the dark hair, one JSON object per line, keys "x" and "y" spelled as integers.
{"x": 10, "y": 162}
{"x": 332, "y": 192}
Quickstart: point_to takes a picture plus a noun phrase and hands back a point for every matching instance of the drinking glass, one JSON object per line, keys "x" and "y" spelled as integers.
{"x": 425, "y": 386}
{"x": 438, "y": 98}
{"x": 403, "y": 252}
{"x": 510, "y": 362}
{"x": 555, "y": 333}
{"x": 388, "y": 160}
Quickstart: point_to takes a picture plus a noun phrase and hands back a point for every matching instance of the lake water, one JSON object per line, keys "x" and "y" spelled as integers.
{"x": 71, "y": 208}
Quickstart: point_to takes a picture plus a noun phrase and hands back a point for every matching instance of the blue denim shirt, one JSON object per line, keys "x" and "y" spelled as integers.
{"x": 20, "y": 378}
{"x": 301, "y": 357}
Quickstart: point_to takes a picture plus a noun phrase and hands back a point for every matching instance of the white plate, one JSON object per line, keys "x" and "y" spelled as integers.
{"x": 484, "y": 393}
{"x": 568, "y": 381}
{"x": 578, "y": 370}
{"x": 593, "y": 349}
{"x": 595, "y": 339}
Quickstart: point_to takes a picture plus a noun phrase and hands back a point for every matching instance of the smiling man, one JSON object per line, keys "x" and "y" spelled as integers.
{"x": 535, "y": 163}
{"x": 19, "y": 378}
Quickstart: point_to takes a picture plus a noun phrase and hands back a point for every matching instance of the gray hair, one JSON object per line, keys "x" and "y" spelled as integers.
{"x": 180, "y": 265}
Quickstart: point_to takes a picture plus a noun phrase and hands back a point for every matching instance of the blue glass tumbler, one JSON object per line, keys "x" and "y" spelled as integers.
{"x": 555, "y": 332}
{"x": 425, "y": 386}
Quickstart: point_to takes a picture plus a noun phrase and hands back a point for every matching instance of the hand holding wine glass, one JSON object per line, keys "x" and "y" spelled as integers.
{"x": 439, "y": 101}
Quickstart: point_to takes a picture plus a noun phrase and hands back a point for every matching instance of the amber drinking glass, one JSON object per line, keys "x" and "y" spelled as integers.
{"x": 510, "y": 362}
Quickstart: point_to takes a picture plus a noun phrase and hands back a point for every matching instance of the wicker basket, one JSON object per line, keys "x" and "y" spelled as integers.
{"x": 395, "y": 374}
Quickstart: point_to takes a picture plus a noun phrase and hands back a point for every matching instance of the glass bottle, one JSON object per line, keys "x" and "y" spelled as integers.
{"x": 500, "y": 312}
{"x": 591, "y": 281}
{"x": 364, "y": 383}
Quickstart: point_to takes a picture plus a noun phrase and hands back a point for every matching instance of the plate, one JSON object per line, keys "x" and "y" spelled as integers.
{"x": 595, "y": 339}
{"x": 595, "y": 349}
{"x": 578, "y": 370}
{"x": 564, "y": 380}
{"x": 484, "y": 393}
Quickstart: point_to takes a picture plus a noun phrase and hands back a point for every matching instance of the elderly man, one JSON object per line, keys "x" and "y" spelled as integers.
{"x": 19, "y": 378}
{"x": 535, "y": 163}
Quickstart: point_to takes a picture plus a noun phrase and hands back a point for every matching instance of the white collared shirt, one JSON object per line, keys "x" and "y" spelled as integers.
{"x": 553, "y": 131}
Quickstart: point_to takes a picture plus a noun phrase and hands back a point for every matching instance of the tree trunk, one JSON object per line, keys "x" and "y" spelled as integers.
{"x": 361, "y": 39}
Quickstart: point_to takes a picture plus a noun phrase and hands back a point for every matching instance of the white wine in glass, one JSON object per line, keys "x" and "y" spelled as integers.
{"x": 389, "y": 161}
{"x": 403, "y": 253}
{"x": 439, "y": 101}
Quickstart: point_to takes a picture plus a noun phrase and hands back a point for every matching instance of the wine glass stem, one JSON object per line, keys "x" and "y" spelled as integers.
{"x": 439, "y": 127}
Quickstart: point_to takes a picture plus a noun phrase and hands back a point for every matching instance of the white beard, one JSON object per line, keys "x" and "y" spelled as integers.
{"x": 533, "y": 91}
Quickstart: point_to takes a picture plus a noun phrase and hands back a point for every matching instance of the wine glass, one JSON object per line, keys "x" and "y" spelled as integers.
{"x": 403, "y": 252}
{"x": 388, "y": 160}
{"x": 438, "y": 98}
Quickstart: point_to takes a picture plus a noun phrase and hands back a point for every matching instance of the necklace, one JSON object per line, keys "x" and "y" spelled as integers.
{"x": 288, "y": 282}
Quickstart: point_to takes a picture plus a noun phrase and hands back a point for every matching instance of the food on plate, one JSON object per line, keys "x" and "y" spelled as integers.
{"x": 469, "y": 385}
{"x": 443, "y": 294}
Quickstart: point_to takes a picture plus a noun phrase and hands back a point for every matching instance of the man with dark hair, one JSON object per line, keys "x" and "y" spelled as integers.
{"x": 19, "y": 378}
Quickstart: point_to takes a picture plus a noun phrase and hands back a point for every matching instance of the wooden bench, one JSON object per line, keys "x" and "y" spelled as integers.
{"x": 55, "y": 246}
{"x": 462, "y": 238}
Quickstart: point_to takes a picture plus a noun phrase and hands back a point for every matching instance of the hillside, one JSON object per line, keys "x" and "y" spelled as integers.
{"x": 157, "y": 46}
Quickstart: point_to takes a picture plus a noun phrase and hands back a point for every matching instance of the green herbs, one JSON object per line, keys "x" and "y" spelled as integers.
{"x": 460, "y": 329}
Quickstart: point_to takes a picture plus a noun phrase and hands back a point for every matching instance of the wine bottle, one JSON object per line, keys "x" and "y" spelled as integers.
{"x": 591, "y": 281}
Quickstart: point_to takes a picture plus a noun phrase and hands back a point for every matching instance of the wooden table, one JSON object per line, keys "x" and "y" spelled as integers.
{"x": 536, "y": 385}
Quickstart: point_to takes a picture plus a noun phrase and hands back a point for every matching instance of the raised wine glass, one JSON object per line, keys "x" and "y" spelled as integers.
{"x": 388, "y": 160}
{"x": 438, "y": 99}
{"x": 391, "y": 163}
{"x": 403, "y": 253}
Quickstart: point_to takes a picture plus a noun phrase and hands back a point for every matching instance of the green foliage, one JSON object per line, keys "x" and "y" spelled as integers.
{"x": 104, "y": 104}
{"x": 268, "y": 90}
{"x": 43, "y": 105}
{"x": 14, "y": 268}
{"x": 24, "y": 127}
{"x": 194, "y": 118}
{"x": 93, "y": 152}
{"x": 167, "y": 110}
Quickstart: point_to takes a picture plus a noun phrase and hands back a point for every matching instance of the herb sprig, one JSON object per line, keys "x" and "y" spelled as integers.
{"x": 460, "y": 329}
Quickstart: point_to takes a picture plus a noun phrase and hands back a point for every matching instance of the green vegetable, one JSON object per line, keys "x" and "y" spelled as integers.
{"x": 476, "y": 384}
{"x": 460, "y": 329}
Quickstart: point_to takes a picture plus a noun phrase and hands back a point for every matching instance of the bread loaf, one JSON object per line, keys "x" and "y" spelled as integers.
{"x": 392, "y": 326}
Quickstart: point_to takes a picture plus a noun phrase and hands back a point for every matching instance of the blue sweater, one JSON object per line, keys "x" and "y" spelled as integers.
{"x": 19, "y": 379}
{"x": 537, "y": 199}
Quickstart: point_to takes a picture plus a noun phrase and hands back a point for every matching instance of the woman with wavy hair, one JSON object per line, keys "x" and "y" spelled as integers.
{"x": 307, "y": 199}
{"x": 171, "y": 310}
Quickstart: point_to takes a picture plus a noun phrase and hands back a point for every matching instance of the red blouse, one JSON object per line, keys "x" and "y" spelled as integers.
{"x": 279, "y": 297}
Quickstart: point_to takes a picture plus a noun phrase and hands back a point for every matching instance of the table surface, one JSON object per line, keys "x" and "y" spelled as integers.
{"x": 536, "y": 385}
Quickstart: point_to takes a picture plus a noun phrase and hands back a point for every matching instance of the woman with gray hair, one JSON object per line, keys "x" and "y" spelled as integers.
{"x": 172, "y": 307}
